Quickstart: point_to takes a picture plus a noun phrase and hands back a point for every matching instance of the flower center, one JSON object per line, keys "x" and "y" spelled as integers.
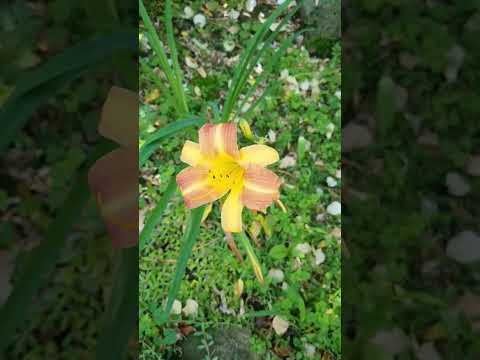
{"x": 225, "y": 174}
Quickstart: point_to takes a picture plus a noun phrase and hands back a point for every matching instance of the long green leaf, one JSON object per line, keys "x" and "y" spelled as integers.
{"x": 246, "y": 59}
{"x": 122, "y": 315}
{"x": 152, "y": 142}
{"x": 155, "y": 216}
{"x": 189, "y": 238}
{"x": 173, "y": 50}
{"x": 250, "y": 66}
{"x": 268, "y": 69}
{"x": 41, "y": 261}
{"x": 38, "y": 86}
{"x": 175, "y": 83}
{"x": 77, "y": 58}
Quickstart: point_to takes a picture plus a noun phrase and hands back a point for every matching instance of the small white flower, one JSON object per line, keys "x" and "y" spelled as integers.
{"x": 200, "y": 20}
{"x": 284, "y": 286}
{"x": 251, "y": 5}
{"x": 188, "y": 12}
{"x": 259, "y": 68}
{"x": 457, "y": 184}
{"x": 280, "y": 325}
{"x": 319, "y": 256}
{"x": 176, "y": 308}
{"x": 303, "y": 248}
{"x": 277, "y": 275}
{"x": 331, "y": 182}
{"x": 191, "y": 308}
{"x": 335, "y": 208}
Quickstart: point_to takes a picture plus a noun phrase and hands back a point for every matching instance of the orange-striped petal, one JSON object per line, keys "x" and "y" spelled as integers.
{"x": 260, "y": 188}
{"x": 114, "y": 182}
{"x": 193, "y": 184}
{"x": 191, "y": 153}
{"x": 119, "y": 121}
{"x": 262, "y": 155}
{"x": 232, "y": 212}
{"x": 219, "y": 139}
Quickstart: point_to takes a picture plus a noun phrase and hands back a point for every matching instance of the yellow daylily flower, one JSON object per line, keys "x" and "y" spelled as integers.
{"x": 218, "y": 167}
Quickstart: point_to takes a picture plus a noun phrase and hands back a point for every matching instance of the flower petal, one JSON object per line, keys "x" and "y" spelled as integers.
{"x": 193, "y": 183}
{"x": 260, "y": 188}
{"x": 119, "y": 121}
{"x": 191, "y": 154}
{"x": 232, "y": 212}
{"x": 219, "y": 139}
{"x": 258, "y": 155}
{"x": 114, "y": 181}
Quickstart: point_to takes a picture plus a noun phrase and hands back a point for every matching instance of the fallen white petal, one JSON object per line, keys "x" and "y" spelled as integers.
{"x": 355, "y": 137}
{"x": 251, "y": 5}
{"x": 473, "y": 166}
{"x": 280, "y": 325}
{"x": 277, "y": 275}
{"x": 335, "y": 208}
{"x": 176, "y": 308}
{"x": 200, "y": 20}
{"x": 464, "y": 247}
{"x": 457, "y": 184}
{"x": 191, "y": 308}
{"x": 287, "y": 161}
{"x": 331, "y": 182}
{"x": 303, "y": 248}
{"x": 319, "y": 256}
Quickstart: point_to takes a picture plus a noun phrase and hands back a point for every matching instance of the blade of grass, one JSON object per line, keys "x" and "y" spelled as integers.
{"x": 245, "y": 241}
{"x": 152, "y": 142}
{"x": 41, "y": 261}
{"x": 155, "y": 216}
{"x": 246, "y": 59}
{"x": 267, "y": 44}
{"x": 122, "y": 314}
{"x": 268, "y": 69}
{"x": 176, "y": 85}
{"x": 189, "y": 238}
{"x": 173, "y": 50}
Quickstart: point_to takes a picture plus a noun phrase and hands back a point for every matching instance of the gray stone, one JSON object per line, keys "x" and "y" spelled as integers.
{"x": 228, "y": 343}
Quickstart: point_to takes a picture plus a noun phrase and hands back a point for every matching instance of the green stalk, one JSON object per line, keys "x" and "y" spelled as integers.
{"x": 156, "y": 215}
{"x": 189, "y": 238}
{"x": 173, "y": 49}
{"x": 241, "y": 70}
{"x": 175, "y": 83}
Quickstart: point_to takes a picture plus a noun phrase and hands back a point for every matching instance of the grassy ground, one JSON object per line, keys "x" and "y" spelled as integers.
{"x": 301, "y": 119}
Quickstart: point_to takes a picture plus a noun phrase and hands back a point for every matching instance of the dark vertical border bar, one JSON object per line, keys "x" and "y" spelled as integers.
{"x": 410, "y": 148}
